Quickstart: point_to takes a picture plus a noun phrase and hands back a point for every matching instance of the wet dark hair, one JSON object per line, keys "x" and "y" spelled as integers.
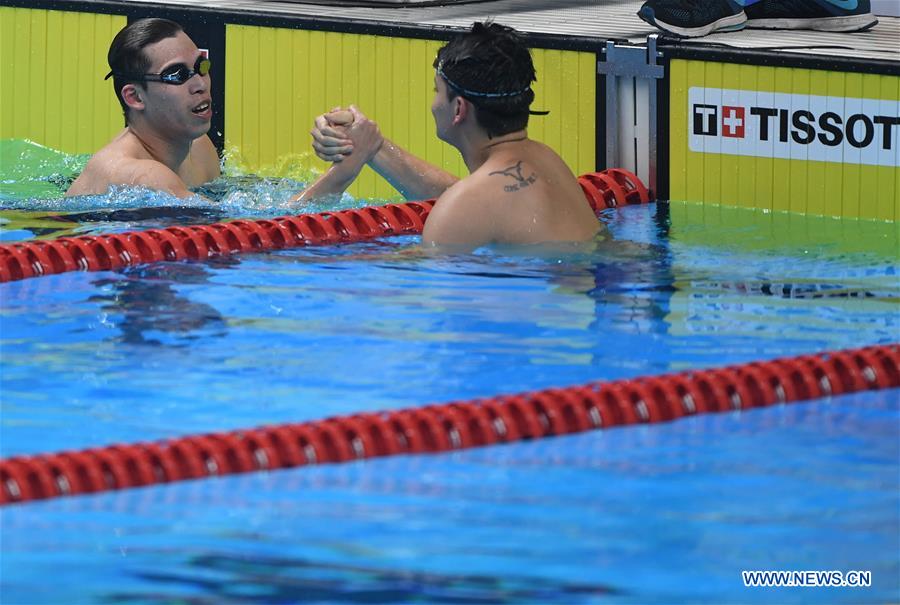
{"x": 126, "y": 53}
{"x": 490, "y": 66}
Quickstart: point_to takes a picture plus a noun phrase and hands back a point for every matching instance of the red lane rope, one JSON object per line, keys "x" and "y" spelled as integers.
{"x": 451, "y": 426}
{"x": 607, "y": 189}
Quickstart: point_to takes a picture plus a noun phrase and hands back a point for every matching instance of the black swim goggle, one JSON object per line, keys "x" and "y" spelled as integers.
{"x": 176, "y": 74}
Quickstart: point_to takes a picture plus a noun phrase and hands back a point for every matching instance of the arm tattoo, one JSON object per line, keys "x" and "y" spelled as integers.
{"x": 515, "y": 172}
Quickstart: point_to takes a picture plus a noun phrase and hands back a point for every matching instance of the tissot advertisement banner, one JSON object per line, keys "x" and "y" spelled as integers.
{"x": 817, "y": 142}
{"x": 794, "y": 126}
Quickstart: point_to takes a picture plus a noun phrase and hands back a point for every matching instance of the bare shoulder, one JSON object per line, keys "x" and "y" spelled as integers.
{"x": 108, "y": 168}
{"x": 457, "y": 219}
{"x": 461, "y": 197}
{"x": 104, "y": 168}
{"x": 153, "y": 175}
{"x": 531, "y": 195}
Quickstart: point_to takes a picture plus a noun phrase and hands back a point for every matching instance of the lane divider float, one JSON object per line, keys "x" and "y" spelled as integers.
{"x": 607, "y": 189}
{"x": 451, "y": 426}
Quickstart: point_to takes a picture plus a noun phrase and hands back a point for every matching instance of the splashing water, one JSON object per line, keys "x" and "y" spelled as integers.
{"x": 34, "y": 179}
{"x": 29, "y": 170}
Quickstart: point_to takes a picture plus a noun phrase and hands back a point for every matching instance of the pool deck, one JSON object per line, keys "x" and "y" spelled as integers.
{"x": 589, "y": 19}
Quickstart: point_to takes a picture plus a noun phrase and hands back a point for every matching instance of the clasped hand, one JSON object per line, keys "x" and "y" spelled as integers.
{"x": 343, "y": 133}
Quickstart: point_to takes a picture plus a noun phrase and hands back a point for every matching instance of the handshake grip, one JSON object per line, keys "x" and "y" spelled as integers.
{"x": 339, "y": 117}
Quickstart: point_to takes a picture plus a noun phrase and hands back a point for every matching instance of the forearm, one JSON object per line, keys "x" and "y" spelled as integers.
{"x": 415, "y": 178}
{"x": 333, "y": 183}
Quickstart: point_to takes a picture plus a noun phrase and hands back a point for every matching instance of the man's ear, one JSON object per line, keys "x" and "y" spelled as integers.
{"x": 132, "y": 96}
{"x": 461, "y": 109}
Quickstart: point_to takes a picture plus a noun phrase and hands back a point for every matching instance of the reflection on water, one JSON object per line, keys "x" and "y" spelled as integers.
{"x": 261, "y": 578}
{"x": 145, "y": 302}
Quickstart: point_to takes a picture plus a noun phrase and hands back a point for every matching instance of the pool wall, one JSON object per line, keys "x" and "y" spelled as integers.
{"x": 773, "y": 130}
{"x": 52, "y": 91}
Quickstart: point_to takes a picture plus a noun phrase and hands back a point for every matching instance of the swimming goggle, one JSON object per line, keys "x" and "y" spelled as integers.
{"x": 176, "y": 74}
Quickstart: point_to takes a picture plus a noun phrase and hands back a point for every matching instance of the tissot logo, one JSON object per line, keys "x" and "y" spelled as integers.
{"x": 808, "y": 127}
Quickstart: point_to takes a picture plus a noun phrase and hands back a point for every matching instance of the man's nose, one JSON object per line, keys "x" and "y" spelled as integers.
{"x": 198, "y": 83}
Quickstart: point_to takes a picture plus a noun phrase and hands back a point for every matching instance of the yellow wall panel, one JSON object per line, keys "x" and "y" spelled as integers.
{"x": 584, "y": 147}
{"x": 284, "y": 87}
{"x": 305, "y": 73}
{"x": 549, "y": 87}
{"x": 678, "y": 131}
{"x": 267, "y": 78}
{"x": 841, "y": 186}
{"x": 233, "y": 87}
{"x": 37, "y": 89}
{"x": 365, "y": 99}
{"x": 7, "y": 63}
{"x": 52, "y": 65}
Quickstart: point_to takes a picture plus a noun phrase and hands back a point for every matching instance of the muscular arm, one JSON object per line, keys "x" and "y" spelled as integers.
{"x": 412, "y": 176}
{"x": 334, "y": 182}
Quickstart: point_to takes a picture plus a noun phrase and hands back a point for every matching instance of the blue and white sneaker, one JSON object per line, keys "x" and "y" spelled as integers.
{"x": 693, "y": 18}
{"x": 820, "y": 15}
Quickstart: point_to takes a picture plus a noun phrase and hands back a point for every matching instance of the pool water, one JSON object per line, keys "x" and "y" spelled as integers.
{"x": 651, "y": 514}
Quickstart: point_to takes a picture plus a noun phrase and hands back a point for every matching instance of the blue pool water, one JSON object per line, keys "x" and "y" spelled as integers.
{"x": 654, "y": 514}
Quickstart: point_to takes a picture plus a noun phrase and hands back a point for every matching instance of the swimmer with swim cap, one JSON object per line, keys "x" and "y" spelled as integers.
{"x": 518, "y": 191}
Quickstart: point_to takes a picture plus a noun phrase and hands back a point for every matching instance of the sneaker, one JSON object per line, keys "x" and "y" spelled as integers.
{"x": 821, "y": 15}
{"x": 693, "y": 18}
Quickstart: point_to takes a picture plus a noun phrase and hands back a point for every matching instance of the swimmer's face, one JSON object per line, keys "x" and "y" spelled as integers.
{"x": 442, "y": 108}
{"x": 177, "y": 111}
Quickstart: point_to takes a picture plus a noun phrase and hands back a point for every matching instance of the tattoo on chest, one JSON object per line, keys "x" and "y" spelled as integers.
{"x": 515, "y": 172}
